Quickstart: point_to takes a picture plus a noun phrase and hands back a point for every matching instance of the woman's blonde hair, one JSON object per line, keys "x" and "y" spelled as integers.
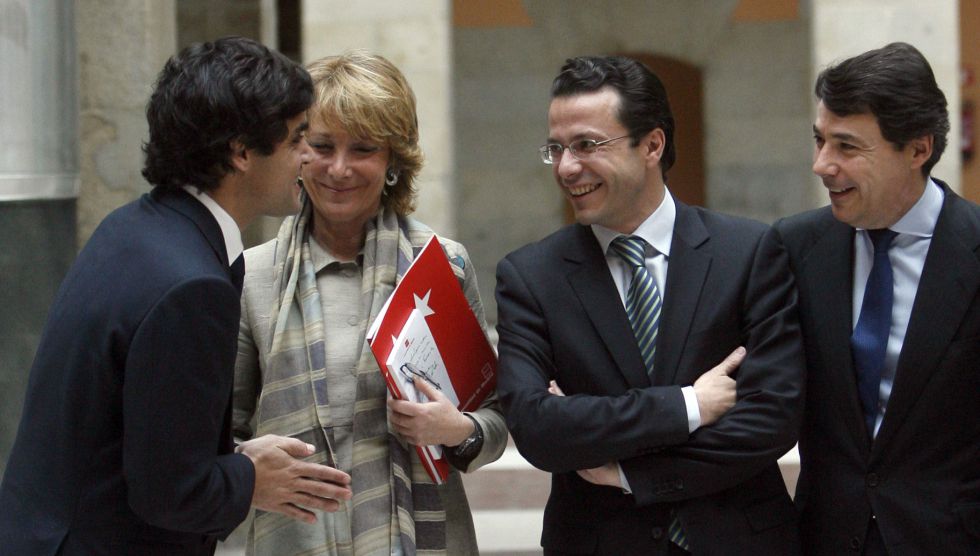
{"x": 369, "y": 97}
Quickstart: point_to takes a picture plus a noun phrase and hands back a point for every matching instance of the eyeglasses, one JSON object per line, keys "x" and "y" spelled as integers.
{"x": 581, "y": 149}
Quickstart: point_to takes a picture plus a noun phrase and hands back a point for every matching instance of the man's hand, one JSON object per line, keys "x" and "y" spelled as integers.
{"x": 289, "y": 486}
{"x": 553, "y": 388}
{"x": 715, "y": 389}
{"x": 434, "y": 422}
{"x": 607, "y": 475}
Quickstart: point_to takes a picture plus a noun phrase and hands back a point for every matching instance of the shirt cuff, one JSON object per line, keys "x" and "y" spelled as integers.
{"x": 693, "y": 413}
{"x": 623, "y": 483}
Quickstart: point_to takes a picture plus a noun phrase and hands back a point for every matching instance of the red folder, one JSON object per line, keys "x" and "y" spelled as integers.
{"x": 463, "y": 364}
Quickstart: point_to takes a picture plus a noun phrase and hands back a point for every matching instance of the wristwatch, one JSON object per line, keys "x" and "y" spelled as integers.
{"x": 469, "y": 448}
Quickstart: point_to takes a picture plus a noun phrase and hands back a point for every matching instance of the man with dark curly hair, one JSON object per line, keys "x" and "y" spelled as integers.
{"x": 125, "y": 443}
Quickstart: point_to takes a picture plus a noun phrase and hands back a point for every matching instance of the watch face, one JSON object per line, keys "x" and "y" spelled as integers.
{"x": 471, "y": 446}
{"x": 464, "y": 449}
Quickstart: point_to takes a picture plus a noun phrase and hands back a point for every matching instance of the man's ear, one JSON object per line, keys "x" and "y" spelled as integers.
{"x": 921, "y": 150}
{"x": 240, "y": 157}
{"x": 653, "y": 144}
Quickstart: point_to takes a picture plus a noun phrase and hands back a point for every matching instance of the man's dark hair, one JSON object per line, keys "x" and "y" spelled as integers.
{"x": 896, "y": 85}
{"x": 211, "y": 94}
{"x": 643, "y": 100}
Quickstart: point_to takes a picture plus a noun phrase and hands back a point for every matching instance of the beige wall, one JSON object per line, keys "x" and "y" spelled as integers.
{"x": 757, "y": 119}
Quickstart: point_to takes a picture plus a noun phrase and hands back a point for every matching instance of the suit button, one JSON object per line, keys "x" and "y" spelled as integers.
{"x": 657, "y": 533}
{"x": 855, "y": 544}
{"x": 871, "y": 480}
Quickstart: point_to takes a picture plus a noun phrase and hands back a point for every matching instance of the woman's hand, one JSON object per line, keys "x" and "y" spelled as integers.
{"x": 434, "y": 422}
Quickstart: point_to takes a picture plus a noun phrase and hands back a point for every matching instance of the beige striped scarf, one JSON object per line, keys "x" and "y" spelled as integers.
{"x": 396, "y": 508}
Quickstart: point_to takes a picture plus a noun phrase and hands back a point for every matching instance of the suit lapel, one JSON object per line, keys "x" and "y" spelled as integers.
{"x": 193, "y": 210}
{"x": 687, "y": 269}
{"x": 589, "y": 278}
{"x": 949, "y": 281}
{"x": 829, "y": 269}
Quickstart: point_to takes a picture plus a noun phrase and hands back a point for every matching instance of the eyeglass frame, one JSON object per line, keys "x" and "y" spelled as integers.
{"x": 576, "y": 151}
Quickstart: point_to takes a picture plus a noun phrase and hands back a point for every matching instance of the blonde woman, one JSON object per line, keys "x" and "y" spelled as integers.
{"x": 304, "y": 369}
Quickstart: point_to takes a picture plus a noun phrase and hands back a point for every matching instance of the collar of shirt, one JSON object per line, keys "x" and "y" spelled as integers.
{"x": 657, "y": 230}
{"x": 322, "y": 258}
{"x": 920, "y": 220}
{"x": 229, "y": 228}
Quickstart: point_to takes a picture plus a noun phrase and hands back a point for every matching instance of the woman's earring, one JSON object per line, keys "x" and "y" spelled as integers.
{"x": 391, "y": 177}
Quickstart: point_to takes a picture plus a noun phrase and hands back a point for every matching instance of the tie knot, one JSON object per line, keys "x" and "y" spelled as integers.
{"x": 631, "y": 249}
{"x": 882, "y": 238}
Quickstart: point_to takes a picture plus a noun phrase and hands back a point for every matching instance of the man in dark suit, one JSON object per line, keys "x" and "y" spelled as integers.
{"x": 643, "y": 462}
{"x": 125, "y": 444}
{"x": 889, "y": 284}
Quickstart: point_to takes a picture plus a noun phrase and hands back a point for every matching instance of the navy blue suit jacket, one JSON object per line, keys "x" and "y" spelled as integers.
{"x": 560, "y": 317}
{"x": 920, "y": 476}
{"x": 124, "y": 446}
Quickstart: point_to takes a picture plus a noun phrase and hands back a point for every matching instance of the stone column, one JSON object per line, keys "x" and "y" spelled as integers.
{"x": 845, "y": 28}
{"x": 122, "y": 45}
{"x": 415, "y": 36}
{"x": 38, "y": 184}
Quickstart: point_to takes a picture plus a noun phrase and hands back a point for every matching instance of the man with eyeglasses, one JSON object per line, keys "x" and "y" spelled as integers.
{"x": 650, "y": 355}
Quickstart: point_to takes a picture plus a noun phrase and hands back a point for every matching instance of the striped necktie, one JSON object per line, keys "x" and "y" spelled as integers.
{"x": 643, "y": 301}
{"x": 643, "y": 305}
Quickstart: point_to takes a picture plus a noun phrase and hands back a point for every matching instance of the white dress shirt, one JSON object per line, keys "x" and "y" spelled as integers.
{"x": 908, "y": 257}
{"x": 229, "y": 228}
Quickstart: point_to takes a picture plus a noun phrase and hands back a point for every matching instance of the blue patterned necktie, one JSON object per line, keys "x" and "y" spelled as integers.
{"x": 870, "y": 336}
{"x": 643, "y": 301}
{"x": 643, "y": 305}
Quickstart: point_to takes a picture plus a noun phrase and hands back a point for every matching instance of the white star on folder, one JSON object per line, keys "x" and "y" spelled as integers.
{"x": 422, "y": 305}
